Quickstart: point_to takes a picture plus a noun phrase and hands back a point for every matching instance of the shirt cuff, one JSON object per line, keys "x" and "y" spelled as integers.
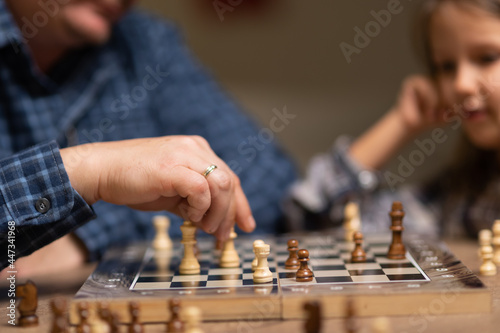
{"x": 35, "y": 186}
{"x": 361, "y": 178}
{"x": 36, "y": 195}
{"x": 332, "y": 176}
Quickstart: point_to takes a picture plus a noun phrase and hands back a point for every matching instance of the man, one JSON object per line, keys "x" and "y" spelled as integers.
{"x": 81, "y": 86}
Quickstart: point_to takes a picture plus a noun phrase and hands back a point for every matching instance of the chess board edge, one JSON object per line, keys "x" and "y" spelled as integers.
{"x": 452, "y": 288}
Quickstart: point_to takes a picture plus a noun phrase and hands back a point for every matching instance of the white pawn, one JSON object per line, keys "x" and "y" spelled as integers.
{"x": 487, "y": 268}
{"x": 162, "y": 240}
{"x": 352, "y": 221}
{"x": 256, "y": 260}
{"x": 262, "y": 273}
{"x": 229, "y": 257}
{"x": 192, "y": 319}
{"x": 485, "y": 237}
{"x": 189, "y": 263}
{"x": 496, "y": 242}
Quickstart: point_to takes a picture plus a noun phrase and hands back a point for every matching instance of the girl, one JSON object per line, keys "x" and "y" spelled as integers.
{"x": 461, "y": 44}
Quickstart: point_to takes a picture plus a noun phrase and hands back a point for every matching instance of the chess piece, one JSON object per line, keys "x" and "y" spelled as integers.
{"x": 162, "y": 241}
{"x": 59, "y": 321}
{"x": 162, "y": 261}
{"x": 229, "y": 257}
{"x": 28, "y": 304}
{"x": 496, "y": 242}
{"x": 304, "y": 274}
{"x": 255, "y": 260}
{"x": 293, "y": 260}
{"x": 196, "y": 249}
{"x": 104, "y": 312}
{"x": 262, "y": 273}
{"x": 397, "y": 249}
{"x": 352, "y": 221}
{"x": 99, "y": 326}
{"x": 83, "y": 311}
{"x": 487, "y": 268}
{"x": 192, "y": 316}
{"x": 485, "y": 237}
{"x": 381, "y": 325}
{"x": 175, "y": 325}
{"x": 135, "y": 324}
{"x": 358, "y": 255}
{"x": 313, "y": 317}
{"x": 115, "y": 323}
{"x": 189, "y": 263}
{"x": 105, "y": 317}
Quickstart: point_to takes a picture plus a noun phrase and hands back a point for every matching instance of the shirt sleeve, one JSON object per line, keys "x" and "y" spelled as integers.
{"x": 331, "y": 179}
{"x": 37, "y": 202}
{"x": 334, "y": 178}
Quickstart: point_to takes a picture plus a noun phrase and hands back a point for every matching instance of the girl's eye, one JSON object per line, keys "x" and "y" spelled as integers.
{"x": 445, "y": 67}
{"x": 488, "y": 58}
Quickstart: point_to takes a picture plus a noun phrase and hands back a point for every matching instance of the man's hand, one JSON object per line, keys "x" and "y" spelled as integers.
{"x": 161, "y": 174}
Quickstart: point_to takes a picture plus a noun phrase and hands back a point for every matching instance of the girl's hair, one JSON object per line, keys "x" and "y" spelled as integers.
{"x": 428, "y": 8}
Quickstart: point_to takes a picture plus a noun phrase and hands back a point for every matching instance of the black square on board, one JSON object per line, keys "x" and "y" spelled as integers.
{"x": 329, "y": 267}
{"x": 405, "y": 277}
{"x": 356, "y": 272}
{"x": 397, "y": 265}
{"x": 188, "y": 284}
{"x": 333, "y": 279}
{"x": 154, "y": 279}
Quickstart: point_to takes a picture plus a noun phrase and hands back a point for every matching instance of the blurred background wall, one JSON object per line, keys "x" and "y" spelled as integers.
{"x": 274, "y": 53}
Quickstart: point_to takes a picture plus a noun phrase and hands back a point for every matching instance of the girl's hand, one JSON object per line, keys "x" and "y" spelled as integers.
{"x": 418, "y": 105}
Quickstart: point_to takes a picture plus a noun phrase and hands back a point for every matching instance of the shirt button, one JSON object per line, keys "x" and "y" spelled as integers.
{"x": 42, "y": 205}
{"x": 367, "y": 180}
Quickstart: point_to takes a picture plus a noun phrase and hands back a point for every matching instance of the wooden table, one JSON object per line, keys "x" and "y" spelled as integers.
{"x": 426, "y": 320}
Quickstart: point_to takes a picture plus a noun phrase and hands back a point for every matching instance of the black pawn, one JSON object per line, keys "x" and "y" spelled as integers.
{"x": 115, "y": 323}
{"x": 293, "y": 260}
{"x": 175, "y": 325}
{"x": 304, "y": 274}
{"x": 313, "y": 317}
{"x": 358, "y": 255}
{"x": 135, "y": 324}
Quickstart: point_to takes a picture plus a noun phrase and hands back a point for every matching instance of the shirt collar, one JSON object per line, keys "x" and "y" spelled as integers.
{"x": 9, "y": 31}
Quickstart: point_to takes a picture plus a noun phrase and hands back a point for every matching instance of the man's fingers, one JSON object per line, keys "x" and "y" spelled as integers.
{"x": 221, "y": 191}
{"x": 222, "y": 232}
{"x": 194, "y": 188}
{"x": 244, "y": 218}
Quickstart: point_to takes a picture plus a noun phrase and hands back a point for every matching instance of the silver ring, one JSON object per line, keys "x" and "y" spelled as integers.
{"x": 209, "y": 170}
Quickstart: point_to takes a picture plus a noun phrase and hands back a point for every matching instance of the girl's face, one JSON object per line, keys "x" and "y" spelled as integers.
{"x": 465, "y": 47}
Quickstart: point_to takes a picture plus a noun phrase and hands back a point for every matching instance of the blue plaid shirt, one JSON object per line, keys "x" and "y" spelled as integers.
{"x": 143, "y": 82}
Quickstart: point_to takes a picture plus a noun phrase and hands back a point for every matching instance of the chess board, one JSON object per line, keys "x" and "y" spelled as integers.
{"x": 429, "y": 277}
